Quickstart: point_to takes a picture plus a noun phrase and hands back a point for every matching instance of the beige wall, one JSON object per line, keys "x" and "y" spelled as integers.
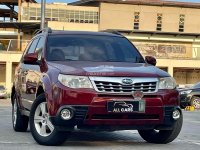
{"x": 72, "y": 26}
{"x": 121, "y": 16}
{"x": 10, "y": 56}
{"x": 116, "y": 16}
{"x": 3, "y": 74}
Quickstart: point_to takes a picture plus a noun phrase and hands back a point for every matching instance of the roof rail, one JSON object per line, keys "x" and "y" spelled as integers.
{"x": 111, "y": 31}
{"x": 48, "y": 30}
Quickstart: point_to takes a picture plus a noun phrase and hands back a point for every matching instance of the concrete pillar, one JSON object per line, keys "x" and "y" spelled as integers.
{"x": 19, "y": 40}
{"x": 19, "y": 10}
{"x": 171, "y": 71}
{"x": 19, "y": 20}
{"x": 8, "y": 76}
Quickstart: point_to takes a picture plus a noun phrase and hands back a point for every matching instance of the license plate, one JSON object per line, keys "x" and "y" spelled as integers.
{"x": 126, "y": 106}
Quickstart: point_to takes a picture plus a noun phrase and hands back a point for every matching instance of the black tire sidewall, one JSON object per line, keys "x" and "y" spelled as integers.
{"x": 55, "y": 138}
{"x": 163, "y": 136}
{"x": 21, "y": 120}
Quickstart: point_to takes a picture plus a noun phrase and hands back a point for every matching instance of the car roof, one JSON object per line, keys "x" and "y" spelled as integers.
{"x": 54, "y": 32}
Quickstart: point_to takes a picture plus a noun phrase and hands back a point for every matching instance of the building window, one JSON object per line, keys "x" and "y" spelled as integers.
{"x": 63, "y": 15}
{"x": 136, "y": 20}
{"x": 159, "y": 22}
{"x": 181, "y": 23}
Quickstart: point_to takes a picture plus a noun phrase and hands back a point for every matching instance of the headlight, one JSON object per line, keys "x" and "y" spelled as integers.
{"x": 167, "y": 83}
{"x": 75, "y": 81}
{"x": 185, "y": 92}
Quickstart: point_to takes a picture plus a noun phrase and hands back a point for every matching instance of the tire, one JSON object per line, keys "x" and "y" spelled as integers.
{"x": 195, "y": 102}
{"x": 41, "y": 128}
{"x": 19, "y": 122}
{"x": 162, "y": 136}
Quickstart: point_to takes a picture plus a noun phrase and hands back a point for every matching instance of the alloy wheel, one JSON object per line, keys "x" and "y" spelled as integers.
{"x": 42, "y": 123}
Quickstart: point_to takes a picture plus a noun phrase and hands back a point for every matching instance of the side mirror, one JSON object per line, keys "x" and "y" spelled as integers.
{"x": 150, "y": 60}
{"x": 31, "y": 58}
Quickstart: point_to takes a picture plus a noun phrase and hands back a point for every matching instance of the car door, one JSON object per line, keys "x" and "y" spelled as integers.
{"x": 19, "y": 76}
{"x": 31, "y": 74}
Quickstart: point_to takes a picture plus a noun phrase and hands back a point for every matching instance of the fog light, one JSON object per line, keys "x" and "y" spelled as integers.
{"x": 176, "y": 114}
{"x": 66, "y": 114}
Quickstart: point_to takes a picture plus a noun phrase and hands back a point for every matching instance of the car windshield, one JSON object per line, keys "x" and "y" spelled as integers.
{"x": 2, "y": 88}
{"x": 91, "y": 48}
{"x": 197, "y": 85}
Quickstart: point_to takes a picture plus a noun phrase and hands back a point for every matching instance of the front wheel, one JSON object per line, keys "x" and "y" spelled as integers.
{"x": 162, "y": 136}
{"x": 41, "y": 127}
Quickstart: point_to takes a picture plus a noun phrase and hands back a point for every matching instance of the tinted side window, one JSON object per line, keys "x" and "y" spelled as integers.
{"x": 40, "y": 44}
{"x": 40, "y": 47}
{"x": 33, "y": 46}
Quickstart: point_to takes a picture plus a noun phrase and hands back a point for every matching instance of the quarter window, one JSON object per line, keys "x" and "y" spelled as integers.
{"x": 39, "y": 47}
{"x": 33, "y": 46}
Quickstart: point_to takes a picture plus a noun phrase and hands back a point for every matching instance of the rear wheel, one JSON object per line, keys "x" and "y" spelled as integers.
{"x": 195, "y": 102}
{"x": 162, "y": 136}
{"x": 41, "y": 127}
{"x": 19, "y": 122}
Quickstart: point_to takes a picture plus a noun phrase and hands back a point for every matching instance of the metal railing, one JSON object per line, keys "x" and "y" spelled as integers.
{"x": 12, "y": 45}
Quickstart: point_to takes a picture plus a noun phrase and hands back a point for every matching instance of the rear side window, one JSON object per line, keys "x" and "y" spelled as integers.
{"x": 91, "y": 48}
{"x": 33, "y": 46}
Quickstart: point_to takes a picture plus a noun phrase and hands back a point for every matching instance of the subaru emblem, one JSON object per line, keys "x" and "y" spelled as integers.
{"x": 127, "y": 81}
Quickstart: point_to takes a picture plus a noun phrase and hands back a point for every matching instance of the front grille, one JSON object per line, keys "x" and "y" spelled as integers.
{"x": 123, "y": 116}
{"x": 146, "y": 87}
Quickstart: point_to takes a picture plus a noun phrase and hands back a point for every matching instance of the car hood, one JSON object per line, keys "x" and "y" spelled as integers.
{"x": 187, "y": 89}
{"x": 108, "y": 69}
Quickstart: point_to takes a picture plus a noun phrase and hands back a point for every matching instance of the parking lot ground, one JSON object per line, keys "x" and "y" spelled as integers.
{"x": 189, "y": 139}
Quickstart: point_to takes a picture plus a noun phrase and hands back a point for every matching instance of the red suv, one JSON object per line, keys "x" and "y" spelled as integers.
{"x": 95, "y": 81}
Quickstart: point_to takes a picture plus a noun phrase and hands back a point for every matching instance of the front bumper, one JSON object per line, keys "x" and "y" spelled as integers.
{"x": 83, "y": 119}
{"x": 90, "y": 110}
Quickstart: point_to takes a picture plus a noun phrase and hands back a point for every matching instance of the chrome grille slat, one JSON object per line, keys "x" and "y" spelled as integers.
{"x": 126, "y": 89}
{"x": 124, "y": 86}
{"x": 114, "y": 85}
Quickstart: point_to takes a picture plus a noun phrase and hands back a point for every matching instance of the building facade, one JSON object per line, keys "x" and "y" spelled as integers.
{"x": 169, "y": 31}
